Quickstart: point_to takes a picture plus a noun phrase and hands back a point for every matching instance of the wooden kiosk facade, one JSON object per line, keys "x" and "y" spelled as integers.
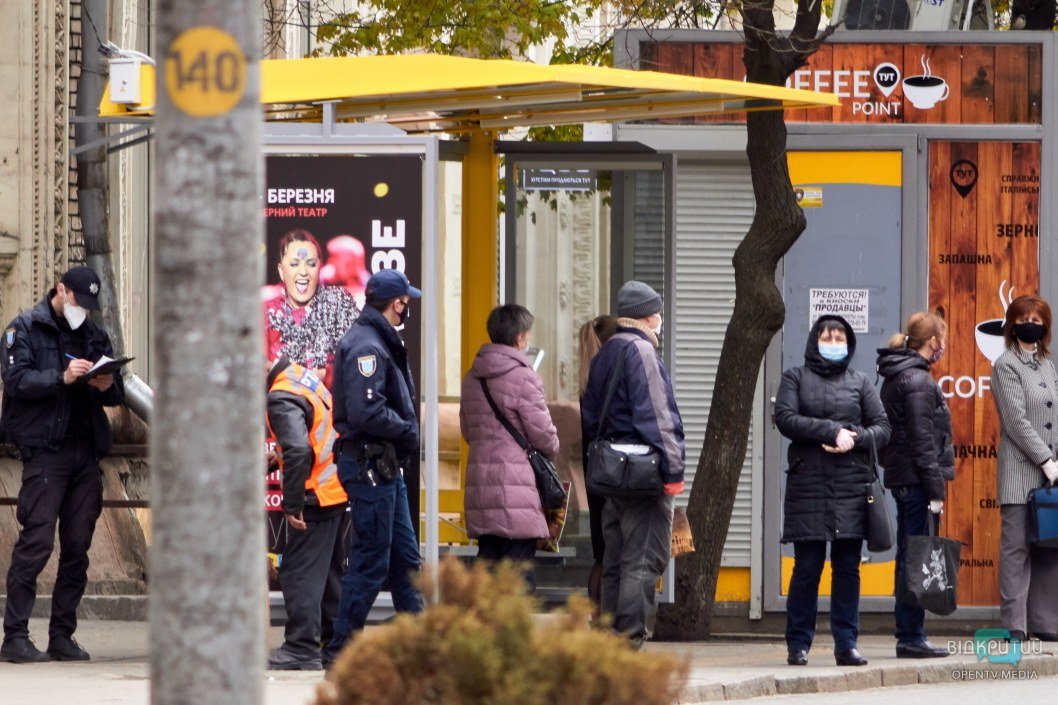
{"x": 970, "y": 119}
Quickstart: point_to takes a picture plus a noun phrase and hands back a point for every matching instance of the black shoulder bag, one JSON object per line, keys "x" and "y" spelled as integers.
{"x": 552, "y": 493}
{"x": 879, "y": 523}
{"x": 614, "y": 473}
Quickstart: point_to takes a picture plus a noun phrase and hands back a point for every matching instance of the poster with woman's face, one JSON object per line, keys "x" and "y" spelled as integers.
{"x": 331, "y": 221}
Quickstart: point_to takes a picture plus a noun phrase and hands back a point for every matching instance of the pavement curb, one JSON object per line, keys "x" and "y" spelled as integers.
{"x": 925, "y": 672}
{"x": 116, "y": 608}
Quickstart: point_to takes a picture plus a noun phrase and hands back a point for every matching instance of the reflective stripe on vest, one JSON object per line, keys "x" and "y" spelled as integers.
{"x": 324, "y": 477}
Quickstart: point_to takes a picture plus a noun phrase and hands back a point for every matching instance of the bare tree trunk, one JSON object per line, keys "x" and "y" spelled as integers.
{"x": 207, "y": 559}
{"x": 93, "y": 192}
{"x": 759, "y": 314}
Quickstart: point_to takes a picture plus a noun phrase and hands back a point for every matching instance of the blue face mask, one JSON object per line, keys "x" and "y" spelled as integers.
{"x": 835, "y": 352}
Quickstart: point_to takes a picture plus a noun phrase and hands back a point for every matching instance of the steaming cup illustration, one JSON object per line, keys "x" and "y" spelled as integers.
{"x": 989, "y": 336}
{"x": 926, "y": 90}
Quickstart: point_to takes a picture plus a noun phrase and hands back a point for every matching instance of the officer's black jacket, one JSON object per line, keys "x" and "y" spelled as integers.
{"x": 36, "y": 405}
{"x": 373, "y": 389}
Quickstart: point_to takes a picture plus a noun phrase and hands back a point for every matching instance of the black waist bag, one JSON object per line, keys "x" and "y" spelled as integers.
{"x": 614, "y": 473}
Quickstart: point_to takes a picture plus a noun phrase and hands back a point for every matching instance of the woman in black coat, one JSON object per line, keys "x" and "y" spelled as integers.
{"x": 832, "y": 415}
{"x": 919, "y": 457}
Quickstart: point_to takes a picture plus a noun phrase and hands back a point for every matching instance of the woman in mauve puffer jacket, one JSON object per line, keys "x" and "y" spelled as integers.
{"x": 502, "y": 504}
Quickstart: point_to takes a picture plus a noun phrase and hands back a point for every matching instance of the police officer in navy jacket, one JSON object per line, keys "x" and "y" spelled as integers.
{"x": 56, "y": 420}
{"x": 378, "y": 426}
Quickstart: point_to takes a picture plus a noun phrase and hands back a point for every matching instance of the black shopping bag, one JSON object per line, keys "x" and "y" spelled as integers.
{"x": 932, "y": 569}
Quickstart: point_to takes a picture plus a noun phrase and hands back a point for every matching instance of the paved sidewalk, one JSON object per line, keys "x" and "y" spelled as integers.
{"x": 721, "y": 669}
{"x": 119, "y": 669}
{"x": 736, "y": 669}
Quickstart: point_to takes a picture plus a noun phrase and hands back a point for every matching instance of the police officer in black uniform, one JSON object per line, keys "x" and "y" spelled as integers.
{"x": 378, "y": 425}
{"x": 57, "y": 422}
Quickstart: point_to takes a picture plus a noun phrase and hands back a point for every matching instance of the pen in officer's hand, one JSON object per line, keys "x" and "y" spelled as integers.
{"x": 70, "y": 357}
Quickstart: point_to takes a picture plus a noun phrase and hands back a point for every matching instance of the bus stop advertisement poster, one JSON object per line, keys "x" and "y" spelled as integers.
{"x": 366, "y": 214}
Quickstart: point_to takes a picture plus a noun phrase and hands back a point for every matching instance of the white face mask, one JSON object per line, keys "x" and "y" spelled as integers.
{"x": 657, "y": 331}
{"x": 74, "y": 315}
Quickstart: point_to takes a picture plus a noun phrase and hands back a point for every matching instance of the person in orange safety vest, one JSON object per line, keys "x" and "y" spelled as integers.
{"x": 300, "y": 419}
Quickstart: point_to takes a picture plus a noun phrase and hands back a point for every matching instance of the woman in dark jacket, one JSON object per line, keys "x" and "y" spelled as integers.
{"x": 592, "y": 336}
{"x": 832, "y": 415}
{"x": 919, "y": 457}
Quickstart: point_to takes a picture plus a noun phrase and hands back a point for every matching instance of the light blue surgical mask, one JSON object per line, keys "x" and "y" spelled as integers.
{"x": 835, "y": 352}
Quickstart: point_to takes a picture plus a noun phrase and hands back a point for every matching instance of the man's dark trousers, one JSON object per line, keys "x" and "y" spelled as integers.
{"x": 332, "y": 593}
{"x": 912, "y": 517}
{"x": 303, "y": 577}
{"x": 61, "y": 486}
{"x": 638, "y": 535}
{"x": 384, "y": 549}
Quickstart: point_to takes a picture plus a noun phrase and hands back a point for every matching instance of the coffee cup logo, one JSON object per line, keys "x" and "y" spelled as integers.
{"x": 926, "y": 90}
{"x": 886, "y": 77}
{"x": 989, "y": 334}
{"x": 964, "y": 176}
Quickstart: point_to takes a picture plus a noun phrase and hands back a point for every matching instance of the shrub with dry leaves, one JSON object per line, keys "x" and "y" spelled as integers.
{"x": 480, "y": 645}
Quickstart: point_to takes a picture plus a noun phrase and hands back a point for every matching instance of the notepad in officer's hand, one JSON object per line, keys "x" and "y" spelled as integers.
{"x": 106, "y": 366}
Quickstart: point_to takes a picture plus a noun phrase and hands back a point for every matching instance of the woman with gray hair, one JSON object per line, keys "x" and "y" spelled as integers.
{"x": 1025, "y": 389}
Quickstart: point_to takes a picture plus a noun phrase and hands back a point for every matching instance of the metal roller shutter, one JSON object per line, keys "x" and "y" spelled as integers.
{"x": 649, "y": 228}
{"x": 714, "y": 208}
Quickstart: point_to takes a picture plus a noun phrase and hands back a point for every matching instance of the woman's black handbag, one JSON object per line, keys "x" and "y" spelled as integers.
{"x": 614, "y": 473}
{"x": 552, "y": 493}
{"x": 931, "y": 565}
{"x": 879, "y": 521}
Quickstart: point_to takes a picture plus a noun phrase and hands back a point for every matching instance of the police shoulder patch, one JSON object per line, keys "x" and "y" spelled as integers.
{"x": 9, "y": 337}
{"x": 367, "y": 365}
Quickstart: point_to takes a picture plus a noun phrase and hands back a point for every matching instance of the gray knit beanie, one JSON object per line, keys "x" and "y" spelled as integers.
{"x": 637, "y": 300}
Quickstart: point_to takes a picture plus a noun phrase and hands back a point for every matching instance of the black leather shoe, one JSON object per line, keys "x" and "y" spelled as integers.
{"x": 22, "y": 650}
{"x": 920, "y": 649}
{"x": 66, "y": 648}
{"x": 852, "y": 657}
{"x": 797, "y": 657}
{"x": 283, "y": 660}
{"x": 1016, "y": 635}
{"x": 1045, "y": 636}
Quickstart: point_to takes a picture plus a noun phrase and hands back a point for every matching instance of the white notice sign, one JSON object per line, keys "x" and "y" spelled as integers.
{"x": 850, "y": 304}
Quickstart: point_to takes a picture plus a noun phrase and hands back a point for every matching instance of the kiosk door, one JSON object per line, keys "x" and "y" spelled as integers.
{"x": 847, "y": 262}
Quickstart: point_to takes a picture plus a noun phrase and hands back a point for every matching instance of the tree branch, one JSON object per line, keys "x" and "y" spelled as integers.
{"x": 805, "y": 39}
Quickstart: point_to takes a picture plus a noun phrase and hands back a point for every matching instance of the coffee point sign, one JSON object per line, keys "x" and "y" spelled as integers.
{"x": 923, "y": 90}
{"x": 887, "y": 83}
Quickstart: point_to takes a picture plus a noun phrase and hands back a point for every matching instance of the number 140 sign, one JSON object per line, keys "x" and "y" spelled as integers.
{"x": 205, "y": 72}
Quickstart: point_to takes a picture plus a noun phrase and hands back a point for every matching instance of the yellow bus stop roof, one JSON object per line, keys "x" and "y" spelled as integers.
{"x": 436, "y": 93}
